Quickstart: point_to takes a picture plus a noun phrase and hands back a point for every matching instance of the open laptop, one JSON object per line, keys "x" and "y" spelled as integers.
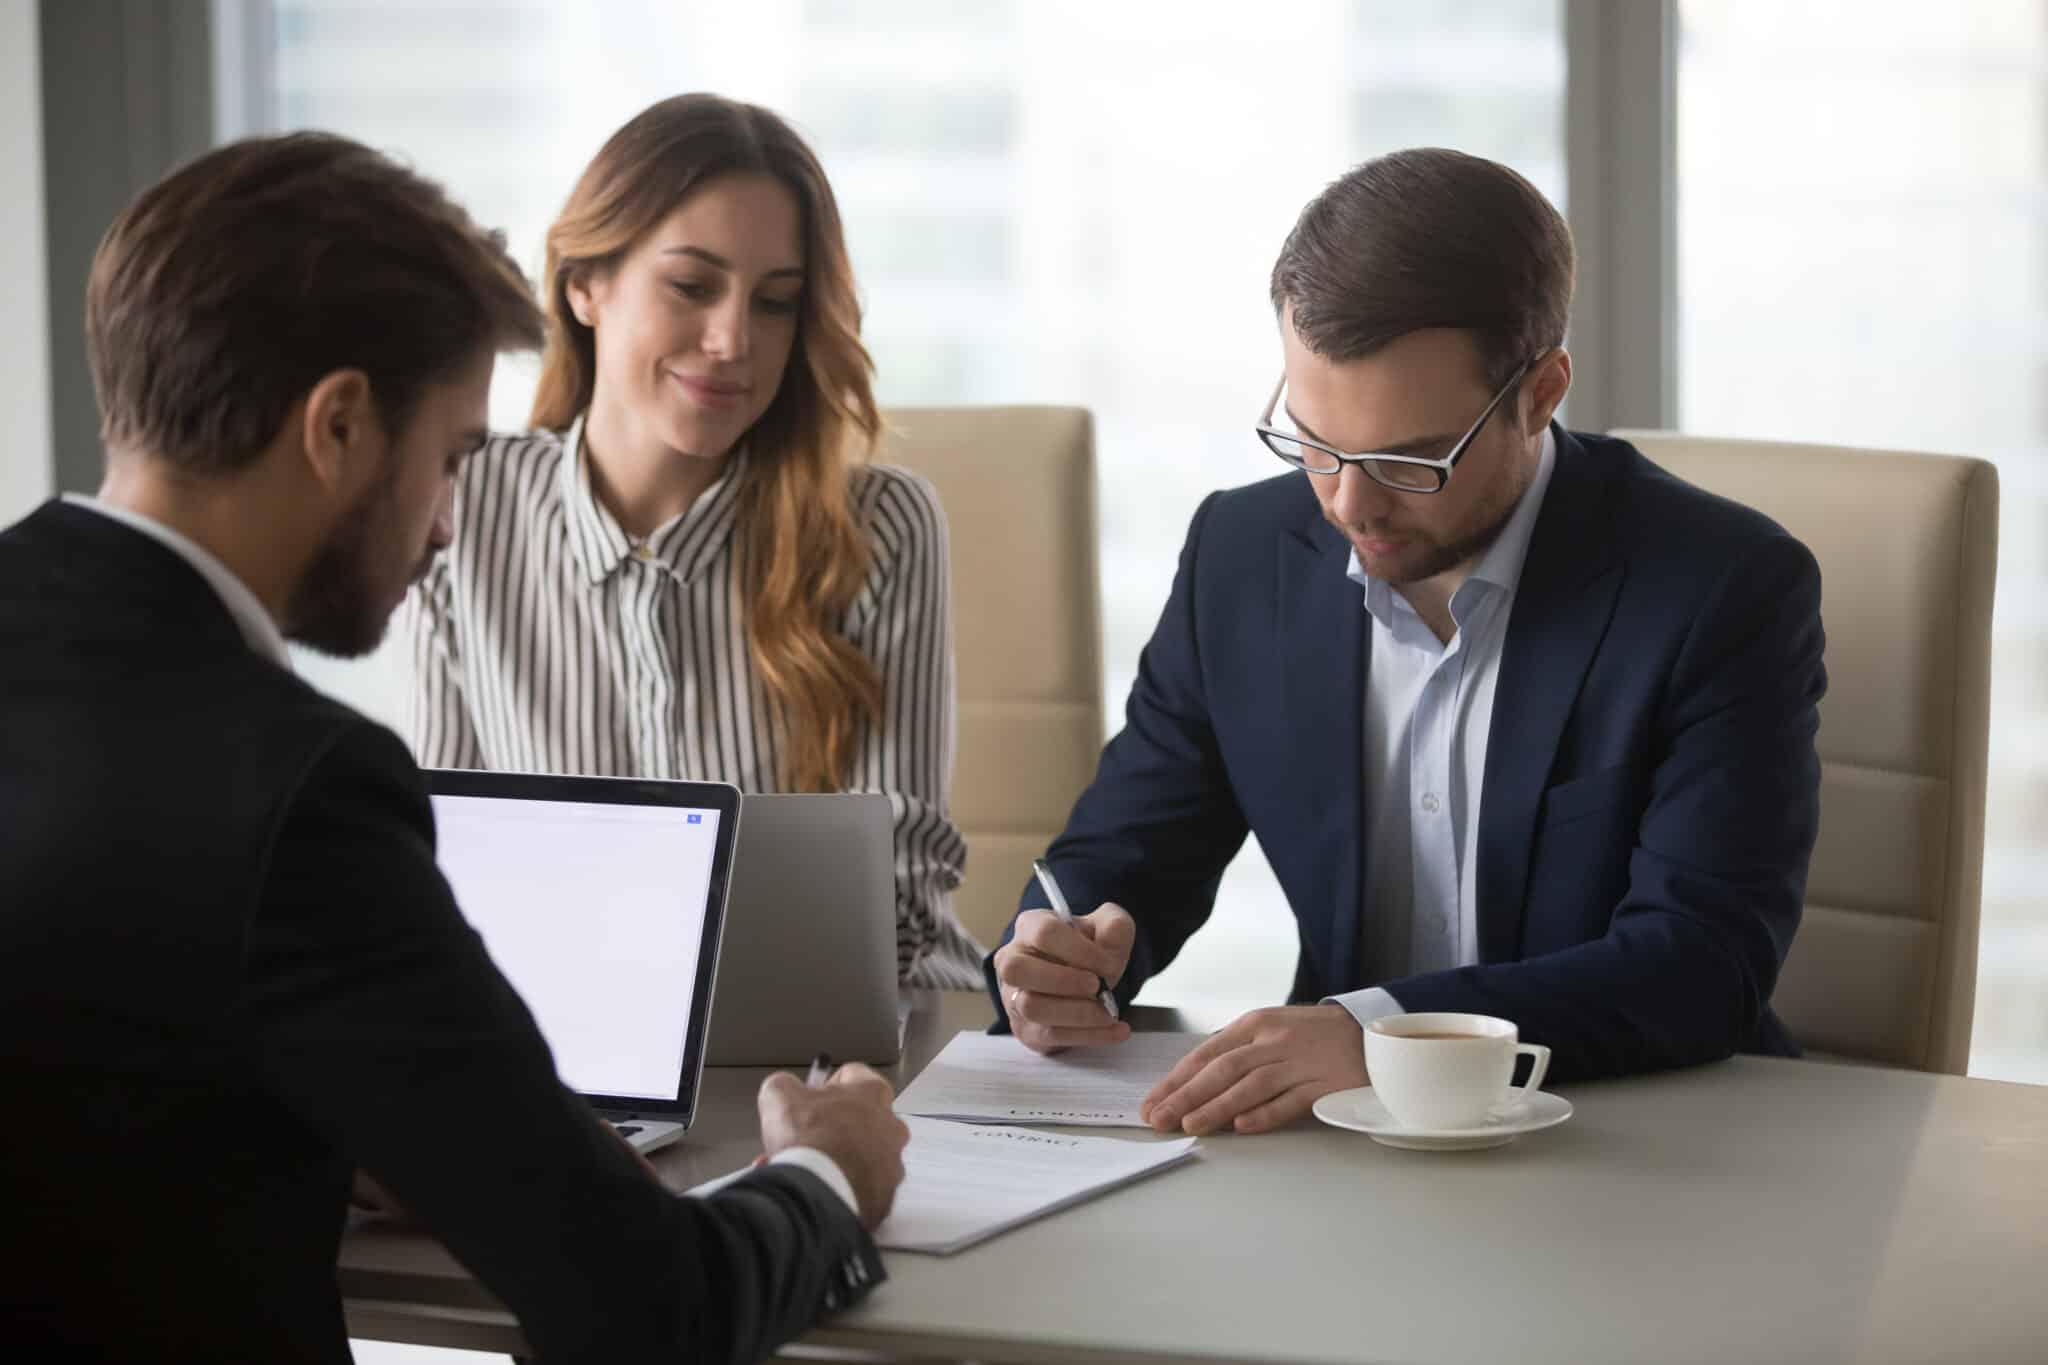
{"x": 809, "y": 961}
{"x": 602, "y": 901}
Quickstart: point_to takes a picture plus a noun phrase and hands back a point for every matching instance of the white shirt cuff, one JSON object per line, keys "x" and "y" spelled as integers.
{"x": 823, "y": 1167}
{"x": 1367, "y": 1005}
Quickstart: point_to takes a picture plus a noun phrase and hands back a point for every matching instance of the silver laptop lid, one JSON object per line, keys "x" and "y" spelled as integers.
{"x": 809, "y": 961}
{"x": 602, "y": 901}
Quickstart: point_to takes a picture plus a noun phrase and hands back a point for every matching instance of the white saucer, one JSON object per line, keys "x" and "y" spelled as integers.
{"x": 1361, "y": 1111}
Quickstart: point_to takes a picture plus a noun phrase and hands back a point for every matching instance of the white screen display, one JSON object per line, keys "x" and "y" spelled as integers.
{"x": 595, "y": 914}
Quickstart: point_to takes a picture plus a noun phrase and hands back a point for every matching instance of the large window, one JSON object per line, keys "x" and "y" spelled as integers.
{"x": 1863, "y": 261}
{"x": 1058, "y": 201}
{"x": 1048, "y": 201}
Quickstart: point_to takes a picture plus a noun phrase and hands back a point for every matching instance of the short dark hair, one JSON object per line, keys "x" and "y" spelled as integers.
{"x": 1428, "y": 238}
{"x": 230, "y": 287}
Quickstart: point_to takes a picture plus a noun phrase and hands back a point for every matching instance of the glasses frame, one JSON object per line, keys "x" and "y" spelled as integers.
{"x": 1371, "y": 461}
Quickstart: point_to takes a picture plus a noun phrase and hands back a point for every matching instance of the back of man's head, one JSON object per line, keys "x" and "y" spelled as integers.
{"x": 1428, "y": 238}
{"x": 229, "y": 289}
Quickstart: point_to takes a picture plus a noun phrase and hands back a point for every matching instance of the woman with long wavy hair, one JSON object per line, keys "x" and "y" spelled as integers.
{"x": 688, "y": 568}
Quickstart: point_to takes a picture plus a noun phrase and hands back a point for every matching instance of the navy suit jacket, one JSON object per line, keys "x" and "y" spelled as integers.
{"x": 1651, "y": 787}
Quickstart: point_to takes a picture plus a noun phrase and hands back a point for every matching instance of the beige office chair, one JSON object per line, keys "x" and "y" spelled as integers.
{"x": 1884, "y": 967}
{"x": 1018, "y": 485}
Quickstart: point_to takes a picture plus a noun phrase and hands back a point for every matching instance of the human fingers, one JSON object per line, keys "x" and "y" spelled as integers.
{"x": 1042, "y": 976}
{"x": 1225, "y": 1071}
{"x": 1055, "y": 1011}
{"x": 1044, "y": 934}
{"x": 1261, "y": 1083}
{"x": 864, "y": 1081}
{"x": 1235, "y": 1034}
{"x": 1114, "y": 933}
{"x": 1282, "y": 1109}
{"x": 1047, "y": 1040}
{"x": 891, "y": 1180}
{"x": 776, "y": 1103}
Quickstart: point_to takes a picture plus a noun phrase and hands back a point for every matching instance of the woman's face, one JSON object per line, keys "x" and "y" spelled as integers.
{"x": 695, "y": 323}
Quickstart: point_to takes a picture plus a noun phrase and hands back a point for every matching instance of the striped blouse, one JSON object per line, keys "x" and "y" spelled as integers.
{"x": 546, "y": 640}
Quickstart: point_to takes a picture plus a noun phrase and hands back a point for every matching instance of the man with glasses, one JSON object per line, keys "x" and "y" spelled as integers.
{"x": 1524, "y": 725}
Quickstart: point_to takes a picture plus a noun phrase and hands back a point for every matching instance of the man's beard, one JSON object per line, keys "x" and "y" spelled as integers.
{"x": 1449, "y": 555}
{"x": 336, "y": 607}
{"x": 1441, "y": 558}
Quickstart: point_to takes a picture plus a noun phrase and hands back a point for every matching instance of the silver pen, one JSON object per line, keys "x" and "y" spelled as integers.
{"x": 1059, "y": 907}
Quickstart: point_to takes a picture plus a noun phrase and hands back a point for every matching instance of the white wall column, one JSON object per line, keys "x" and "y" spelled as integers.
{"x": 27, "y": 467}
{"x": 1621, "y": 159}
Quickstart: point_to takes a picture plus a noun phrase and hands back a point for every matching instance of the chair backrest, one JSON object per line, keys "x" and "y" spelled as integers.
{"x": 1884, "y": 967}
{"x": 1018, "y": 486}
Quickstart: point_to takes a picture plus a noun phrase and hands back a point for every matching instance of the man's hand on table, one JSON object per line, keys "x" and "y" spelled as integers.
{"x": 848, "y": 1119}
{"x": 1262, "y": 1072}
{"x": 1050, "y": 971}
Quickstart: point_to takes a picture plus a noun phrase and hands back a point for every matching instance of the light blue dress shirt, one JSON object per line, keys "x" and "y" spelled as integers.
{"x": 1428, "y": 714}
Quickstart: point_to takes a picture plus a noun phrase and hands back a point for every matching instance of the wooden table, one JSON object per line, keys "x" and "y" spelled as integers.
{"x": 1755, "y": 1210}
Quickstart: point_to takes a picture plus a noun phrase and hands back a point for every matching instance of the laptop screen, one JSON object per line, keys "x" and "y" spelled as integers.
{"x": 596, "y": 914}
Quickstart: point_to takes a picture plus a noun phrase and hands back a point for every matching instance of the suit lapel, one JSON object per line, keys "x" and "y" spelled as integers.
{"x": 1561, "y": 609}
{"x": 1324, "y": 645}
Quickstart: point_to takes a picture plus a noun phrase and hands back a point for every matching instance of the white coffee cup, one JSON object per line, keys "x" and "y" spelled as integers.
{"x": 1440, "y": 1072}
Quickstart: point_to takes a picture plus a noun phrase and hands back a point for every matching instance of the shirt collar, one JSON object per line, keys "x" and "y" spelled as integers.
{"x": 684, "y": 546}
{"x": 1499, "y": 568}
{"x": 249, "y": 614}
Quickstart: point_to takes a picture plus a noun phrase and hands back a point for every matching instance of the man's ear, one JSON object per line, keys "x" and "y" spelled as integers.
{"x": 339, "y": 430}
{"x": 1545, "y": 386}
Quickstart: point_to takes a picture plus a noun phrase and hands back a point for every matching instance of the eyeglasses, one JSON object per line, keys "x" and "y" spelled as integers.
{"x": 1404, "y": 473}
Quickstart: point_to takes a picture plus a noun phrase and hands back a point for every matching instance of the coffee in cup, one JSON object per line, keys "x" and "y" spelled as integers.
{"x": 1443, "y": 1072}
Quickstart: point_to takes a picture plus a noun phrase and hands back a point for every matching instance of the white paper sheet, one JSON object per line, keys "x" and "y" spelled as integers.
{"x": 964, "y": 1183}
{"x": 984, "y": 1079}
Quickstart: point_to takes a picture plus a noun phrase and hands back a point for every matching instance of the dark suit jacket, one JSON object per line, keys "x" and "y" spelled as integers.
{"x": 230, "y": 973}
{"x": 1651, "y": 788}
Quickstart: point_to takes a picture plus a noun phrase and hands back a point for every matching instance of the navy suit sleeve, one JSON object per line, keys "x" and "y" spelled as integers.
{"x": 1718, "y": 872}
{"x": 381, "y": 1023}
{"x": 1155, "y": 829}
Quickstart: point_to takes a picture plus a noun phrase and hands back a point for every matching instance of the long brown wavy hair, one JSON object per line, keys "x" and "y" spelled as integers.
{"x": 803, "y": 557}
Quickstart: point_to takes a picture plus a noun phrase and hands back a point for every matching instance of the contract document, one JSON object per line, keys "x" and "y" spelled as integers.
{"x": 963, "y": 1183}
{"x": 983, "y": 1079}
